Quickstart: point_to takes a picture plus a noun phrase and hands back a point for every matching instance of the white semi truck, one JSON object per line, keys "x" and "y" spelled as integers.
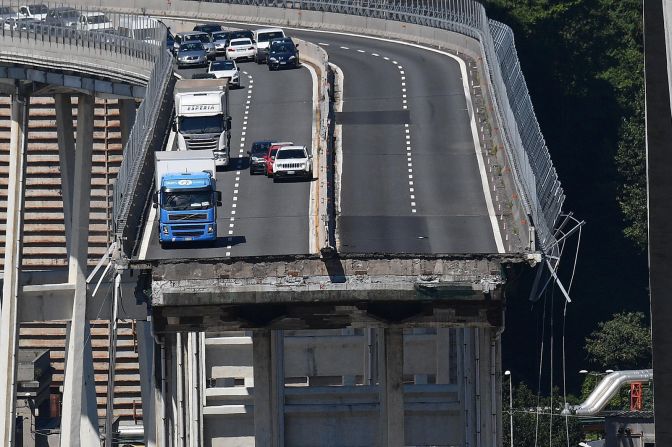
{"x": 202, "y": 119}
{"x": 186, "y": 196}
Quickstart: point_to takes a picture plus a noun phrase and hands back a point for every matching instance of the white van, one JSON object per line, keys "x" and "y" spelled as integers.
{"x": 262, "y": 37}
{"x": 142, "y": 28}
{"x": 94, "y": 21}
{"x": 37, "y": 11}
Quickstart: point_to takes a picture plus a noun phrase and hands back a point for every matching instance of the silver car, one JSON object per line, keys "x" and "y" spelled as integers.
{"x": 220, "y": 40}
{"x": 191, "y": 54}
{"x": 198, "y": 36}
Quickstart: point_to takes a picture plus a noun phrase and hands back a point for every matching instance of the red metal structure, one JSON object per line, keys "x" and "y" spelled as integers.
{"x": 636, "y": 396}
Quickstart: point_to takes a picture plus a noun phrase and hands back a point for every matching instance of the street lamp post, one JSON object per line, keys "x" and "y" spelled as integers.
{"x": 508, "y": 373}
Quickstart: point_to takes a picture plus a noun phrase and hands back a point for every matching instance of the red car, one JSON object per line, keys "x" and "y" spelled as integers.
{"x": 270, "y": 156}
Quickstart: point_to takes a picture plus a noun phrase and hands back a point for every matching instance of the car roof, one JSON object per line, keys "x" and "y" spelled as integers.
{"x": 193, "y": 33}
{"x": 238, "y": 40}
{"x": 267, "y": 30}
{"x": 292, "y": 147}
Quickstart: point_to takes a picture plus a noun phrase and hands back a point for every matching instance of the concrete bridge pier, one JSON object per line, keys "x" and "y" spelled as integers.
{"x": 269, "y": 385}
{"x": 79, "y": 422}
{"x": 127, "y": 111}
{"x": 391, "y": 423}
{"x": 9, "y": 317}
{"x": 66, "y": 158}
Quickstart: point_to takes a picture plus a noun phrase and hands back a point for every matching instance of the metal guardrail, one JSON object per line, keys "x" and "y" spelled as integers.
{"x": 137, "y": 150}
{"x": 64, "y": 38}
{"x": 526, "y": 149}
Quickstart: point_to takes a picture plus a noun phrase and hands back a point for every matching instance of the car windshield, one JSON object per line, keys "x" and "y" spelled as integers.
{"x": 187, "y": 200}
{"x": 265, "y": 37}
{"x": 69, "y": 14}
{"x": 98, "y": 19}
{"x": 219, "y": 36}
{"x": 38, "y": 9}
{"x": 291, "y": 153}
{"x": 282, "y": 47}
{"x": 222, "y": 65}
{"x": 238, "y": 34}
{"x": 259, "y": 149}
{"x": 201, "y": 124}
{"x": 209, "y": 28}
{"x": 204, "y": 38}
{"x": 191, "y": 46}
{"x": 240, "y": 42}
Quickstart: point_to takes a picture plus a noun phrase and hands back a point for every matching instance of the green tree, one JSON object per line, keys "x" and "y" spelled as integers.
{"x": 526, "y": 425}
{"x": 624, "y": 342}
{"x": 590, "y": 53}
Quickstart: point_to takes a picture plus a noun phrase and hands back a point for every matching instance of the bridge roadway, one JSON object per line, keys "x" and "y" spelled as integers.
{"x": 410, "y": 178}
{"x": 257, "y": 216}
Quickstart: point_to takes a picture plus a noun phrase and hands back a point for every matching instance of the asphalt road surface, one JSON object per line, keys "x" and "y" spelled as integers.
{"x": 257, "y": 217}
{"x": 410, "y": 179}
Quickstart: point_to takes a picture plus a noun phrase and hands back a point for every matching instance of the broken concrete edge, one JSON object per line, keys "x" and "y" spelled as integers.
{"x": 317, "y": 281}
{"x": 501, "y": 258}
{"x": 374, "y": 311}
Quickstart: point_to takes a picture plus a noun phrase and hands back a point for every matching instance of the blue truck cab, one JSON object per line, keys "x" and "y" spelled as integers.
{"x": 187, "y": 199}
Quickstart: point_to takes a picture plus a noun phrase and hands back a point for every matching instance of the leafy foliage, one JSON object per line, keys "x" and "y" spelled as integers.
{"x": 587, "y": 58}
{"x": 526, "y": 425}
{"x": 624, "y": 342}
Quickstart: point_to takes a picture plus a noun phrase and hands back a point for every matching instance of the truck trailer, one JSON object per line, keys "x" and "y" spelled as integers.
{"x": 202, "y": 118}
{"x": 186, "y": 196}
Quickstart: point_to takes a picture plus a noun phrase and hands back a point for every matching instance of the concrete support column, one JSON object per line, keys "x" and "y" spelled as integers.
{"x": 149, "y": 384}
{"x": 391, "y": 423}
{"x": 466, "y": 376}
{"x": 79, "y": 422}
{"x": 112, "y": 364}
{"x": 268, "y": 388}
{"x": 12, "y": 269}
{"x": 443, "y": 356}
{"x": 193, "y": 386}
{"x": 66, "y": 159}
{"x": 126, "y": 118}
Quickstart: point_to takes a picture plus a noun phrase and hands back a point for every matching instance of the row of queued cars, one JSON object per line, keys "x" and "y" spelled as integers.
{"x": 280, "y": 160}
{"x": 29, "y": 17}
{"x": 207, "y": 42}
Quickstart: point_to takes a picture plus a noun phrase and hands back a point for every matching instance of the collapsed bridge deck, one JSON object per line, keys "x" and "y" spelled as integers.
{"x": 311, "y": 292}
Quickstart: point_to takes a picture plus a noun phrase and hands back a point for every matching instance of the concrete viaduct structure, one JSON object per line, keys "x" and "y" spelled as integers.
{"x": 324, "y": 348}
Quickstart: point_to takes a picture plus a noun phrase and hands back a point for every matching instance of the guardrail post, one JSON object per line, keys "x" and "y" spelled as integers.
{"x": 10, "y": 290}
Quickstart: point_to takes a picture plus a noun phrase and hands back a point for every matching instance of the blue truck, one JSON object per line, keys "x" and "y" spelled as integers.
{"x": 186, "y": 196}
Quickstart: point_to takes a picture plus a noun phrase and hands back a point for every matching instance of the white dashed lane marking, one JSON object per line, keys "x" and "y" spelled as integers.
{"x": 404, "y": 105}
{"x": 239, "y": 163}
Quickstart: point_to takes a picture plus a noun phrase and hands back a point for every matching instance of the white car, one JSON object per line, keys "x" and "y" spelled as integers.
{"x": 226, "y": 70}
{"x": 242, "y": 48}
{"x": 263, "y": 37}
{"x": 292, "y": 161}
